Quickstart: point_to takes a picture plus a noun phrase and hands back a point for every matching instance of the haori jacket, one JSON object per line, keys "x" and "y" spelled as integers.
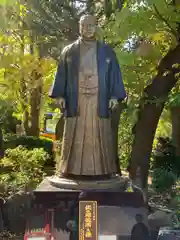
{"x": 65, "y": 84}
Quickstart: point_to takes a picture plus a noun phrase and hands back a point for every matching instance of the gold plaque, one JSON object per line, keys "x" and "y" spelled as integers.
{"x": 88, "y": 229}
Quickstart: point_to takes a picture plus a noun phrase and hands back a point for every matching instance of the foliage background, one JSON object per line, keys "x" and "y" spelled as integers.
{"x": 34, "y": 32}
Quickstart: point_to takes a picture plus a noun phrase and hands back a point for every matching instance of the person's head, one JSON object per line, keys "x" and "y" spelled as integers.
{"x": 87, "y": 27}
{"x": 139, "y": 218}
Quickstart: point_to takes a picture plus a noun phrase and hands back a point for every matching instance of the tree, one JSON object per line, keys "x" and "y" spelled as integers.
{"x": 22, "y": 71}
{"x": 174, "y": 106}
{"x": 148, "y": 83}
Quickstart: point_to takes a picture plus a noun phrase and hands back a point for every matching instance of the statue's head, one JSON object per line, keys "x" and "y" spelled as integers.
{"x": 87, "y": 27}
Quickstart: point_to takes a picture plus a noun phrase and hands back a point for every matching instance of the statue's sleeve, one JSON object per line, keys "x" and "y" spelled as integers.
{"x": 117, "y": 89}
{"x": 58, "y": 87}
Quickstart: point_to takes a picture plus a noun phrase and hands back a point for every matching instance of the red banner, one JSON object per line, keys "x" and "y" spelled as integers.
{"x": 88, "y": 229}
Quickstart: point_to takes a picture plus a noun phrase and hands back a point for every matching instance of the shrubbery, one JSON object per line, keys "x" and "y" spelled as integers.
{"x": 8, "y": 122}
{"x": 165, "y": 166}
{"x": 30, "y": 142}
{"x": 163, "y": 180}
{"x": 165, "y": 157}
{"x": 25, "y": 168}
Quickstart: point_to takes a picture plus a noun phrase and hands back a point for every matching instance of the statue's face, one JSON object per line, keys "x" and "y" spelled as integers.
{"x": 87, "y": 27}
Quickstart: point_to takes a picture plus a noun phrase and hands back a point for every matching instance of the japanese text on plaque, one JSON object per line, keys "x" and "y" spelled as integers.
{"x": 88, "y": 220}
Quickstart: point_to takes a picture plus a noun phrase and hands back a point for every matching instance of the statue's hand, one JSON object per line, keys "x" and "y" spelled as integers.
{"x": 113, "y": 103}
{"x": 62, "y": 104}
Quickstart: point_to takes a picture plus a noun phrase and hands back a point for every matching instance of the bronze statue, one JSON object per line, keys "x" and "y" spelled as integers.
{"x": 88, "y": 86}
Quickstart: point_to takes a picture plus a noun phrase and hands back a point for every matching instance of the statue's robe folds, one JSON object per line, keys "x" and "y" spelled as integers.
{"x": 88, "y": 76}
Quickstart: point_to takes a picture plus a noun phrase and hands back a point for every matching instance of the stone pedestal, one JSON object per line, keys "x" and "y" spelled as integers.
{"x": 117, "y": 208}
{"x": 115, "y": 183}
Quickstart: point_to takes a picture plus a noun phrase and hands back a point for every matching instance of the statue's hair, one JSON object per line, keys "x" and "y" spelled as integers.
{"x": 87, "y": 16}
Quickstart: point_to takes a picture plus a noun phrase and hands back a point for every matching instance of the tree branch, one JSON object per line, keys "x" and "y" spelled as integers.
{"x": 158, "y": 15}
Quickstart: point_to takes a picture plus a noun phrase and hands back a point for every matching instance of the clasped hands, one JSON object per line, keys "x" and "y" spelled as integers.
{"x": 62, "y": 104}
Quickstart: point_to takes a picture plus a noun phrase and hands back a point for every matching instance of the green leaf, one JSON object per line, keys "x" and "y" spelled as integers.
{"x": 7, "y": 2}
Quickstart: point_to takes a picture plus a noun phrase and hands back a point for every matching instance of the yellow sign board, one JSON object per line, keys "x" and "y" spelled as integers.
{"x": 88, "y": 229}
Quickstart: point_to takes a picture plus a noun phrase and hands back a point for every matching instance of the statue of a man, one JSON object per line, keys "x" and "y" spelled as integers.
{"x": 87, "y": 86}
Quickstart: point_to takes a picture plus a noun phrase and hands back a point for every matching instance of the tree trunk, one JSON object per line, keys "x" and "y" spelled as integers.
{"x": 150, "y": 112}
{"x": 24, "y": 90}
{"x": 60, "y": 128}
{"x": 175, "y": 116}
{"x": 24, "y": 103}
{"x": 115, "y": 118}
{"x": 35, "y": 94}
{"x": 25, "y": 122}
{"x": 35, "y": 103}
{"x": 1, "y": 144}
